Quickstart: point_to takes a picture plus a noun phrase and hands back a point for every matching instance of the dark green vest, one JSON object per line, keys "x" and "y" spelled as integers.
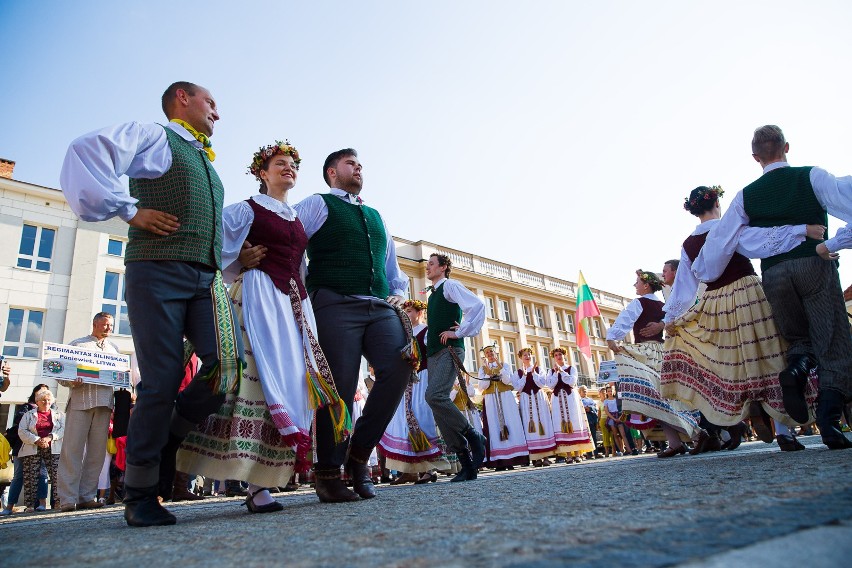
{"x": 442, "y": 315}
{"x": 784, "y": 197}
{"x": 347, "y": 254}
{"x": 192, "y": 192}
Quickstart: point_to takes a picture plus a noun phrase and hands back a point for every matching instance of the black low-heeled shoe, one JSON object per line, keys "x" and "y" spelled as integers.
{"x": 267, "y": 508}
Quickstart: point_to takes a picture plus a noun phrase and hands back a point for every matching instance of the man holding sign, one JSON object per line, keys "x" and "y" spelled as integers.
{"x": 86, "y": 427}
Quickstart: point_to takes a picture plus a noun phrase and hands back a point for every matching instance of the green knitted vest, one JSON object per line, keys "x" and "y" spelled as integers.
{"x": 192, "y": 192}
{"x": 784, "y": 197}
{"x": 347, "y": 254}
{"x": 442, "y": 315}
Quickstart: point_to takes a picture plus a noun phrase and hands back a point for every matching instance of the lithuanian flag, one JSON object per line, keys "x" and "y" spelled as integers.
{"x": 586, "y": 308}
{"x": 87, "y": 371}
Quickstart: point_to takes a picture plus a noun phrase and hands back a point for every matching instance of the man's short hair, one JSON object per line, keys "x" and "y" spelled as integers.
{"x": 102, "y": 315}
{"x": 333, "y": 158}
{"x": 171, "y": 94}
{"x": 443, "y": 260}
{"x": 768, "y": 142}
{"x": 673, "y": 264}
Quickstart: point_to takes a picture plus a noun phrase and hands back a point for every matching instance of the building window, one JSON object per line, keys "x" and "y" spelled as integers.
{"x": 545, "y": 360}
{"x": 491, "y": 313}
{"x": 510, "y": 352}
{"x": 36, "y": 248}
{"x": 23, "y": 333}
{"x": 569, "y": 319}
{"x": 539, "y": 317}
{"x": 504, "y": 311}
{"x": 113, "y": 301}
{"x": 115, "y": 247}
{"x": 559, "y": 321}
{"x": 597, "y": 326}
{"x": 577, "y": 358}
{"x": 527, "y": 319}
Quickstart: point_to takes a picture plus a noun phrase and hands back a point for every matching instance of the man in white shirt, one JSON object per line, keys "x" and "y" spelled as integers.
{"x": 87, "y": 419}
{"x": 454, "y": 313}
{"x": 173, "y": 278}
{"x": 357, "y": 290}
{"x": 803, "y": 285}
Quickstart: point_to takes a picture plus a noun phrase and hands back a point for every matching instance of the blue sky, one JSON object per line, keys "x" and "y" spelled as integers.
{"x": 557, "y": 136}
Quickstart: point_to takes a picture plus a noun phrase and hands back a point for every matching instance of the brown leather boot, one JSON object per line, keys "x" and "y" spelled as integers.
{"x": 180, "y": 491}
{"x": 357, "y": 468}
{"x": 330, "y": 488}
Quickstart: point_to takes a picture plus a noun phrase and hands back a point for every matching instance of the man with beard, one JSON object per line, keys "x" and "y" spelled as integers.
{"x": 355, "y": 286}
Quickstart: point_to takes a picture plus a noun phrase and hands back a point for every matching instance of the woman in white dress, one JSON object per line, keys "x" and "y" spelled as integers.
{"x": 501, "y": 420}
{"x": 411, "y": 443}
{"x": 261, "y": 434}
{"x": 535, "y": 410}
{"x": 639, "y": 366}
{"x": 568, "y": 416}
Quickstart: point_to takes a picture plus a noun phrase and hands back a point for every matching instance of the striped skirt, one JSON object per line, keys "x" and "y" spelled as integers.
{"x": 727, "y": 352}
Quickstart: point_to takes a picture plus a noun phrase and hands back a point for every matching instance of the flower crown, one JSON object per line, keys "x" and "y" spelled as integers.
{"x": 650, "y": 278}
{"x": 556, "y": 350}
{"x": 525, "y": 350}
{"x": 266, "y": 152}
{"x": 492, "y": 347}
{"x": 713, "y": 193}
{"x": 416, "y": 304}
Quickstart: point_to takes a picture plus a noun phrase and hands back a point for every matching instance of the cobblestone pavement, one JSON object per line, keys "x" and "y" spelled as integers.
{"x": 756, "y": 505}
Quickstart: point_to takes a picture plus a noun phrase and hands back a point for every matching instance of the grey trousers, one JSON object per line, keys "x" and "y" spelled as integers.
{"x": 167, "y": 300}
{"x": 82, "y": 456}
{"x": 807, "y": 302}
{"x": 349, "y": 327}
{"x": 442, "y": 375}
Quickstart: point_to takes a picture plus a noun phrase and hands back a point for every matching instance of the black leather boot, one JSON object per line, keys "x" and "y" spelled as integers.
{"x": 168, "y": 459}
{"x": 468, "y": 472}
{"x": 142, "y": 509}
{"x": 793, "y": 380}
{"x": 829, "y": 408}
{"x": 358, "y": 470}
{"x": 476, "y": 443}
{"x": 330, "y": 488}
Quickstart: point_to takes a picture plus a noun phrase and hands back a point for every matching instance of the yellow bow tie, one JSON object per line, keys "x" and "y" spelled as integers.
{"x": 201, "y": 137}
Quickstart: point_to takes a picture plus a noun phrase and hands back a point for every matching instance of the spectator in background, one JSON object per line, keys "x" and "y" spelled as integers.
{"x": 87, "y": 419}
{"x": 15, "y": 442}
{"x": 592, "y": 415}
{"x": 41, "y": 431}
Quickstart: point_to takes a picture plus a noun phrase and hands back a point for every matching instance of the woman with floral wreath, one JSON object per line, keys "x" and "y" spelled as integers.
{"x": 261, "y": 434}
{"x": 411, "y": 444}
{"x": 639, "y": 367}
{"x": 528, "y": 380}
{"x": 501, "y": 420}
{"x": 724, "y": 352}
{"x": 571, "y": 429}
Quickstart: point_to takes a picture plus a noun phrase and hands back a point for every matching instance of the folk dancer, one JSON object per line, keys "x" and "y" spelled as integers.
{"x": 261, "y": 434}
{"x": 802, "y": 288}
{"x": 723, "y": 354}
{"x": 174, "y": 286}
{"x": 411, "y": 444}
{"x": 454, "y": 313}
{"x": 639, "y": 367}
{"x": 356, "y": 288}
{"x": 501, "y": 419}
{"x": 570, "y": 424}
{"x": 528, "y": 380}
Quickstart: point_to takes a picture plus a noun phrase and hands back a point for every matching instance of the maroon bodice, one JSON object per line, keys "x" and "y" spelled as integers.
{"x": 738, "y": 267}
{"x": 529, "y": 386}
{"x": 285, "y": 243}
{"x": 421, "y": 344}
{"x": 561, "y": 385}
{"x": 652, "y": 311}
